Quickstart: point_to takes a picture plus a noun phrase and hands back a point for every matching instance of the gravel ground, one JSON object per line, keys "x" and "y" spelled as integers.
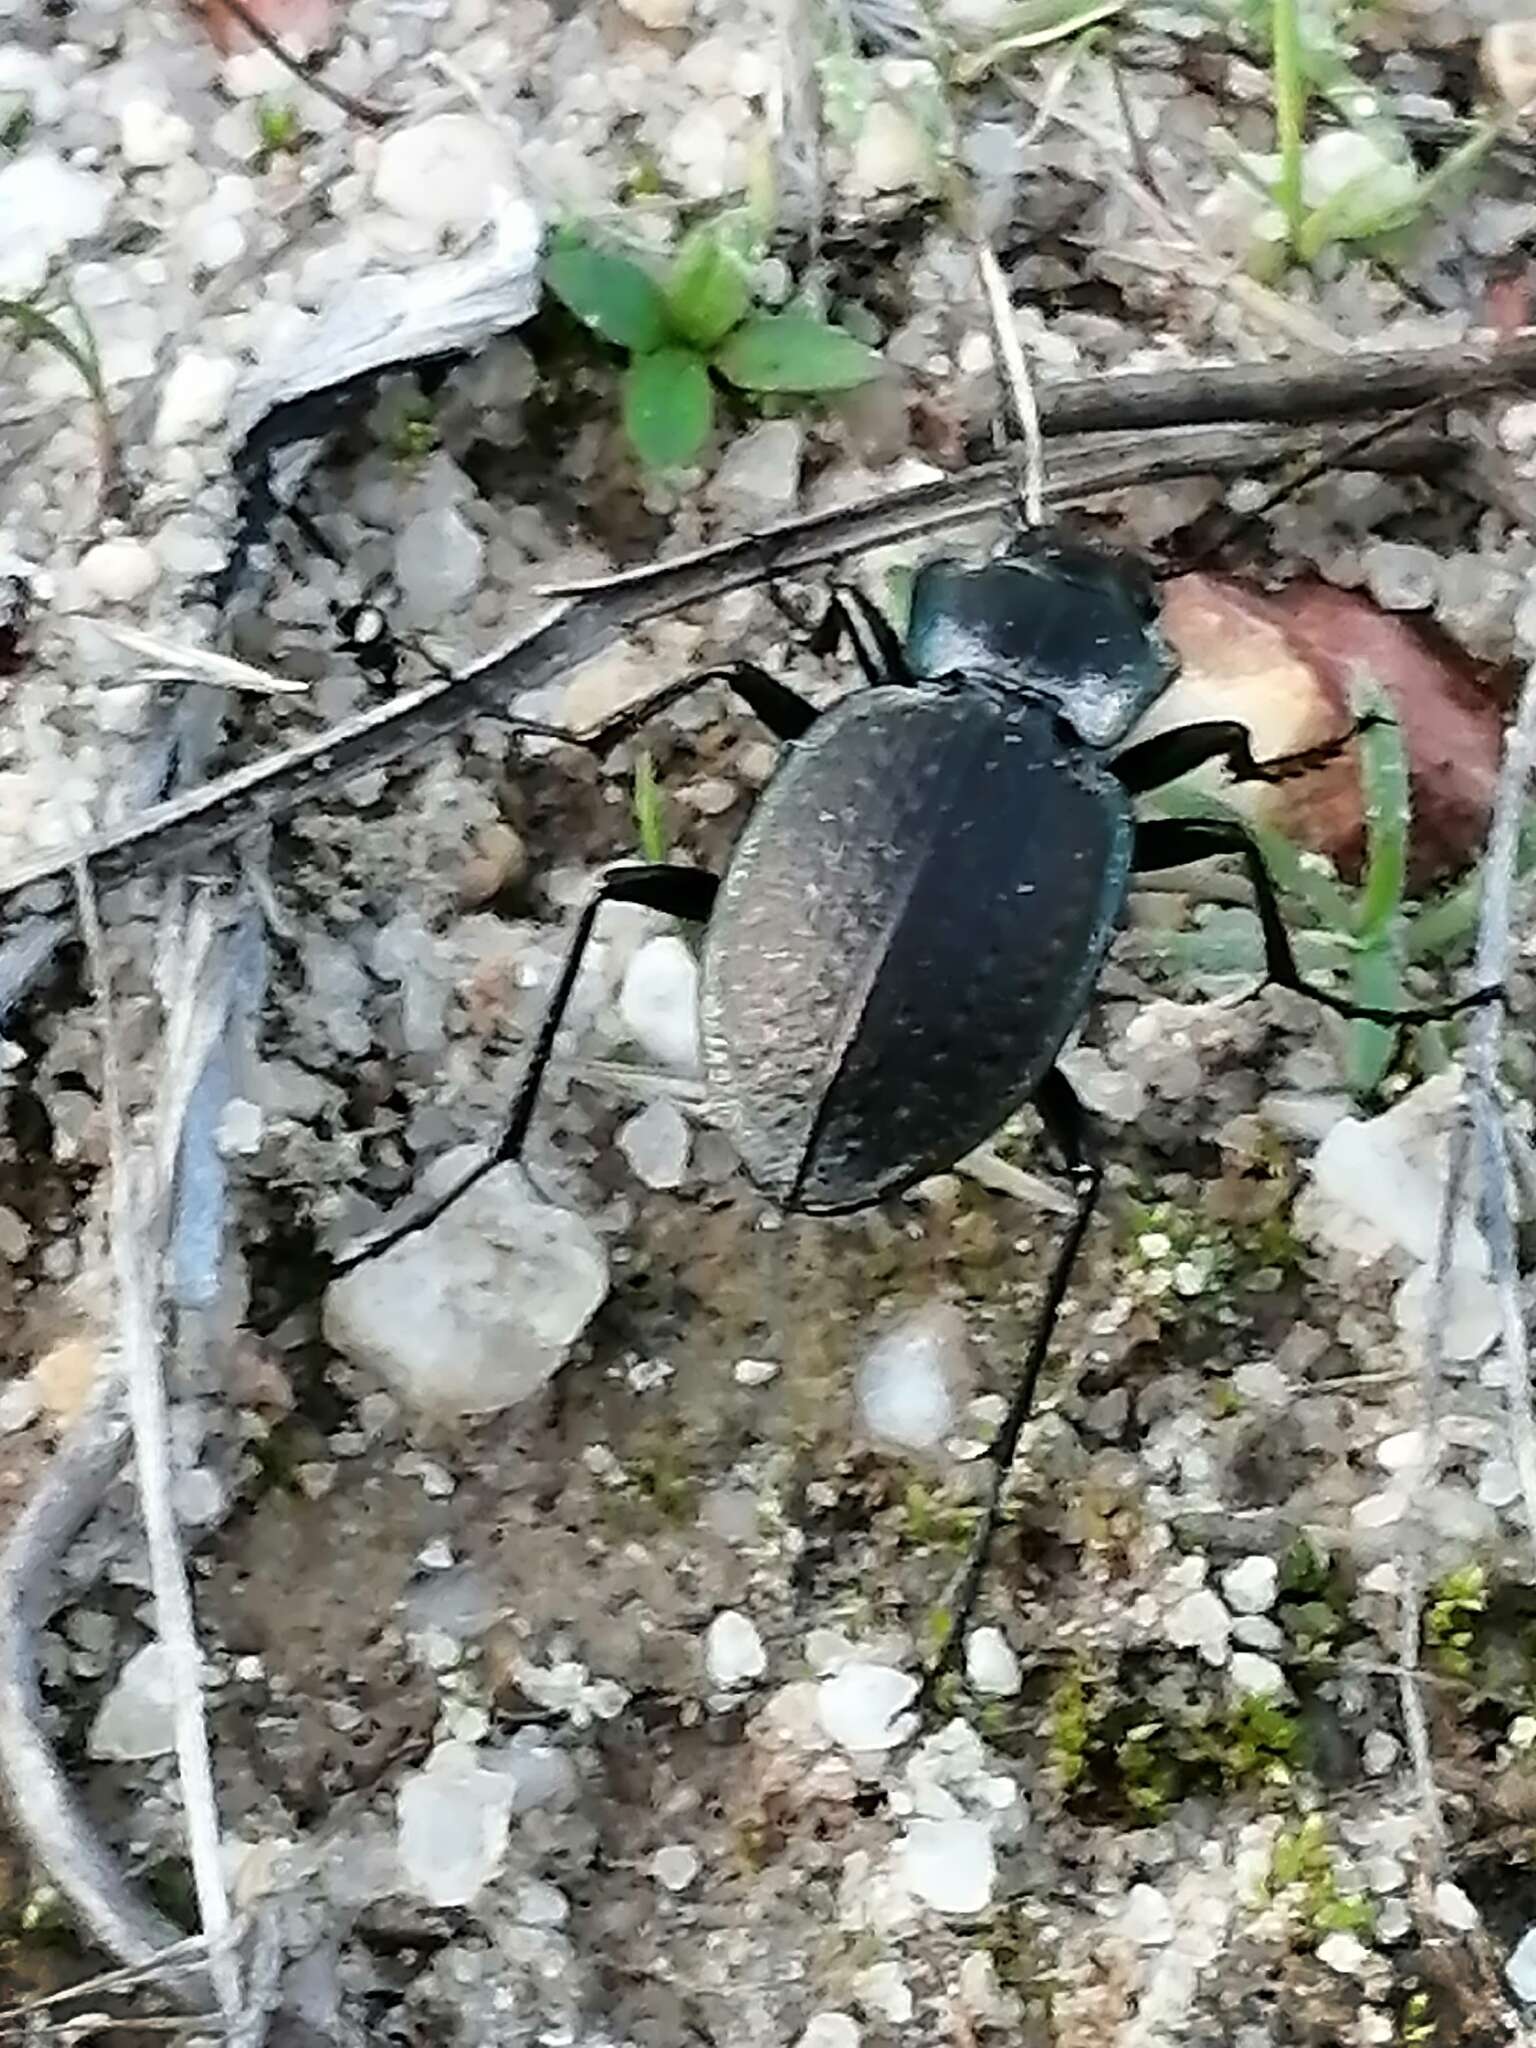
{"x": 563, "y": 1578}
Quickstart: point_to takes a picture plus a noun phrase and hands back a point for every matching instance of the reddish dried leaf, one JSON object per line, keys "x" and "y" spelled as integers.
{"x": 302, "y": 26}
{"x": 1281, "y": 663}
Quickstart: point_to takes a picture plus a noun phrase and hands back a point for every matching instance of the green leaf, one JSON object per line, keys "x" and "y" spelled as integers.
{"x": 650, "y": 811}
{"x": 708, "y": 290}
{"x": 792, "y": 352}
{"x": 668, "y": 406}
{"x": 608, "y": 293}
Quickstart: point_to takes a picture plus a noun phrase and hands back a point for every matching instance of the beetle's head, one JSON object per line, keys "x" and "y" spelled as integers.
{"x": 1051, "y": 617}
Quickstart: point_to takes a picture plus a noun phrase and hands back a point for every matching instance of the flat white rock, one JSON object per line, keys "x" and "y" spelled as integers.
{"x": 1200, "y": 1622}
{"x": 136, "y": 1719}
{"x": 949, "y": 1865}
{"x": 45, "y": 204}
{"x": 830, "y": 2030}
{"x": 453, "y": 1818}
{"x": 733, "y": 1650}
{"x": 908, "y": 1382}
{"x": 150, "y": 135}
{"x": 480, "y": 1309}
{"x": 862, "y": 1707}
{"x": 759, "y": 475}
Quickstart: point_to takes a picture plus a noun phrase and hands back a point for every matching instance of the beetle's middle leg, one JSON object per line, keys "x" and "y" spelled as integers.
{"x": 680, "y": 892}
{"x": 1068, "y": 1126}
{"x": 1175, "y": 842}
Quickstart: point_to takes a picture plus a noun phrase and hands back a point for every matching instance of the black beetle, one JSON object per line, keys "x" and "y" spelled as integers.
{"x": 916, "y": 914}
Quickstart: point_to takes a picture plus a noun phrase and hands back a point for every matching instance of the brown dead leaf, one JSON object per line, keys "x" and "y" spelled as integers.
{"x": 302, "y": 26}
{"x": 1280, "y": 662}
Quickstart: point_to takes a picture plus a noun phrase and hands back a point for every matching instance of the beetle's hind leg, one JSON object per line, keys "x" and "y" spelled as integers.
{"x": 1175, "y": 842}
{"x": 1070, "y": 1129}
{"x": 680, "y": 892}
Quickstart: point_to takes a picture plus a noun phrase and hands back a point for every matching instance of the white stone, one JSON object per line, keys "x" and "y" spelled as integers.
{"x": 453, "y": 1818}
{"x": 733, "y": 1650}
{"x": 656, "y": 1144}
{"x": 1200, "y": 1622}
{"x": 659, "y": 1002}
{"x": 45, "y": 204}
{"x": 438, "y": 558}
{"x": 862, "y": 1706}
{"x": 949, "y": 1865}
{"x": 754, "y": 1372}
{"x": 1147, "y": 1918}
{"x": 137, "y": 1717}
{"x": 20, "y": 1404}
{"x": 480, "y": 1309}
{"x": 150, "y": 135}
{"x": 119, "y": 571}
{"x": 1380, "y": 1752}
{"x": 1346, "y": 1954}
{"x": 1521, "y": 1968}
{"x": 675, "y": 1865}
{"x": 451, "y": 171}
{"x": 659, "y": 14}
{"x": 759, "y": 476}
{"x": 889, "y": 153}
{"x": 1402, "y": 1452}
{"x": 1256, "y": 1677}
{"x": 882, "y": 1990}
{"x": 907, "y": 1384}
{"x": 830, "y": 2030}
{"x": 990, "y": 1663}
{"x": 1250, "y": 1586}
{"x": 195, "y": 398}
{"x": 1454, "y": 1908}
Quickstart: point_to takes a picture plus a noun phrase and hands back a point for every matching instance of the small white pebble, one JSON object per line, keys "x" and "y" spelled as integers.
{"x": 754, "y": 1372}
{"x": 19, "y": 1405}
{"x": 1256, "y": 1677}
{"x": 1454, "y": 1908}
{"x": 1380, "y": 1752}
{"x": 1250, "y": 1587}
{"x": 1522, "y": 1731}
{"x": 118, "y": 571}
{"x": 907, "y": 1380}
{"x": 656, "y": 1144}
{"x": 733, "y": 1650}
{"x": 1521, "y": 1968}
{"x": 1200, "y": 1622}
{"x": 1345, "y": 1953}
{"x": 1403, "y": 1452}
{"x": 949, "y": 1865}
{"x": 196, "y": 395}
{"x": 1147, "y": 1917}
{"x": 675, "y": 1866}
{"x": 862, "y": 1706}
{"x": 437, "y": 1556}
{"x": 150, "y": 135}
{"x": 883, "y": 1992}
{"x": 830, "y": 2030}
{"x": 990, "y": 1664}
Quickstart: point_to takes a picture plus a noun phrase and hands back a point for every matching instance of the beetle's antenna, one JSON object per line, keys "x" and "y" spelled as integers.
{"x": 1016, "y": 379}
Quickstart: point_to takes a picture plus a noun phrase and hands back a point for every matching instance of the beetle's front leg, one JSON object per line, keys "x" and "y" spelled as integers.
{"x": 1175, "y": 842}
{"x": 680, "y": 892}
{"x": 1168, "y": 755}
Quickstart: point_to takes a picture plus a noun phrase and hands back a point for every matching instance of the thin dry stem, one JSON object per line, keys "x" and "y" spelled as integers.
{"x": 135, "y": 1261}
{"x": 1016, "y": 377}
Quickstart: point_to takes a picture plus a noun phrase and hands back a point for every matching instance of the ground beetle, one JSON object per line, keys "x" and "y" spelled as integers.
{"x": 915, "y": 916}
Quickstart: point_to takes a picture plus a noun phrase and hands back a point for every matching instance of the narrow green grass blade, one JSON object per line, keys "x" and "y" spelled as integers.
{"x": 1290, "y": 115}
{"x": 1295, "y": 873}
{"x": 650, "y": 811}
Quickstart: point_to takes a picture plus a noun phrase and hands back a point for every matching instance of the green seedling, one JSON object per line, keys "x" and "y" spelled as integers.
{"x": 1301, "y": 1864}
{"x": 1450, "y": 1619}
{"x": 650, "y": 812}
{"x": 277, "y": 129}
{"x": 693, "y": 326}
{"x": 75, "y": 342}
